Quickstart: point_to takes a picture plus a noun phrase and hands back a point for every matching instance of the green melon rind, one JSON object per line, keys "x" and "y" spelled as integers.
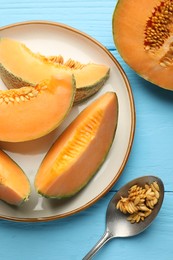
{"x": 70, "y": 105}
{"x": 119, "y": 51}
{"x": 93, "y": 174}
{"x": 11, "y": 80}
{"x": 26, "y": 198}
{"x": 113, "y": 32}
{"x": 82, "y": 93}
{"x": 85, "y": 92}
{"x": 62, "y": 119}
{"x": 85, "y": 184}
{"x": 67, "y": 111}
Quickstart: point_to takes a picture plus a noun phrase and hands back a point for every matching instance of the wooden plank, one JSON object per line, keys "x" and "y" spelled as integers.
{"x": 73, "y": 237}
{"x": 91, "y": 17}
{"x": 153, "y": 144}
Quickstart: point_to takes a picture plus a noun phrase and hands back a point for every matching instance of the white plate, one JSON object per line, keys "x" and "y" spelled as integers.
{"x": 50, "y": 38}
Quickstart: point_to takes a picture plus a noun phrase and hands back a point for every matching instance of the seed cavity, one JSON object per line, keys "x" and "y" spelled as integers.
{"x": 59, "y": 60}
{"x": 158, "y": 32}
{"x": 158, "y": 24}
{"x": 21, "y": 95}
{"x": 82, "y": 137}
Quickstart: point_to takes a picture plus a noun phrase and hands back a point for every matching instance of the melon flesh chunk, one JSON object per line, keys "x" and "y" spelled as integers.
{"x": 81, "y": 149}
{"x": 29, "y": 113}
{"x": 14, "y": 185}
{"x": 19, "y": 67}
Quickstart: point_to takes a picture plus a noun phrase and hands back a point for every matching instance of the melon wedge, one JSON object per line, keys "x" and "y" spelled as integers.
{"x": 80, "y": 151}
{"x": 29, "y": 113}
{"x": 14, "y": 185}
{"x": 19, "y": 67}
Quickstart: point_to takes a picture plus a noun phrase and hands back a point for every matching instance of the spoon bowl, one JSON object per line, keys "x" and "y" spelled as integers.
{"x": 117, "y": 224}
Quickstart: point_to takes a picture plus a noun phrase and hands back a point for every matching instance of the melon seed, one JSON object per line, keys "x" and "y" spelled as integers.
{"x": 35, "y": 92}
{"x": 22, "y": 98}
{"x": 43, "y": 87}
{"x": 11, "y": 99}
{"x": 157, "y": 25}
{"x": 6, "y": 99}
{"x": 17, "y": 99}
{"x": 30, "y": 94}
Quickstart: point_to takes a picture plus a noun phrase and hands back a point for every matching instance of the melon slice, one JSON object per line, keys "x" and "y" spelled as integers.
{"x": 19, "y": 67}
{"x": 143, "y": 35}
{"x": 14, "y": 185}
{"x": 29, "y": 113}
{"x": 80, "y": 151}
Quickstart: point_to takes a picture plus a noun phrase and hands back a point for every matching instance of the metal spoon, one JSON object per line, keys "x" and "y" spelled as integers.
{"x": 117, "y": 224}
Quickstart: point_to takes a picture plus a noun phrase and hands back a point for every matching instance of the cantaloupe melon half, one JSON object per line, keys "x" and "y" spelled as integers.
{"x": 19, "y": 67}
{"x": 29, "y": 113}
{"x": 14, "y": 185}
{"x": 143, "y": 35}
{"x": 80, "y": 151}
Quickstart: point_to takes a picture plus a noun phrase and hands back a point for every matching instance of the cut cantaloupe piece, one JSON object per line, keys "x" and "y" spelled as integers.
{"x": 29, "y": 113}
{"x": 19, "y": 67}
{"x": 143, "y": 35}
{"x": 14, "y": 185}
{"x": 80, "y": 150}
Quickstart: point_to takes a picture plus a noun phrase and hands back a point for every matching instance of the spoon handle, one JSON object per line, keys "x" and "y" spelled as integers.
{"x": 105, "y": 238}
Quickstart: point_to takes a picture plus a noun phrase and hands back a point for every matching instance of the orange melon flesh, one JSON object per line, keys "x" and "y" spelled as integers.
{"x": 12, "y": 51}
{"x": 29, "y": 113}
{"x": 14, "y": 185}
{"x": 80, "y": 150}
{"x": 25, "y": 59}
{"x": 129, "y": 24}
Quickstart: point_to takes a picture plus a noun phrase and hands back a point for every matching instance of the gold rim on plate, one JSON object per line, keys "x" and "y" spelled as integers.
{"x": 132, "y": 130}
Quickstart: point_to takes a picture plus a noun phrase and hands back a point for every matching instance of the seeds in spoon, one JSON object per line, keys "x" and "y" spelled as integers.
{"x": 140, "y": 201}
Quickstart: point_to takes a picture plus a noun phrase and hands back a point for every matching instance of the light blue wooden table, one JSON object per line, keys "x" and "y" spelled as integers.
{"x": 152, "y": 153}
